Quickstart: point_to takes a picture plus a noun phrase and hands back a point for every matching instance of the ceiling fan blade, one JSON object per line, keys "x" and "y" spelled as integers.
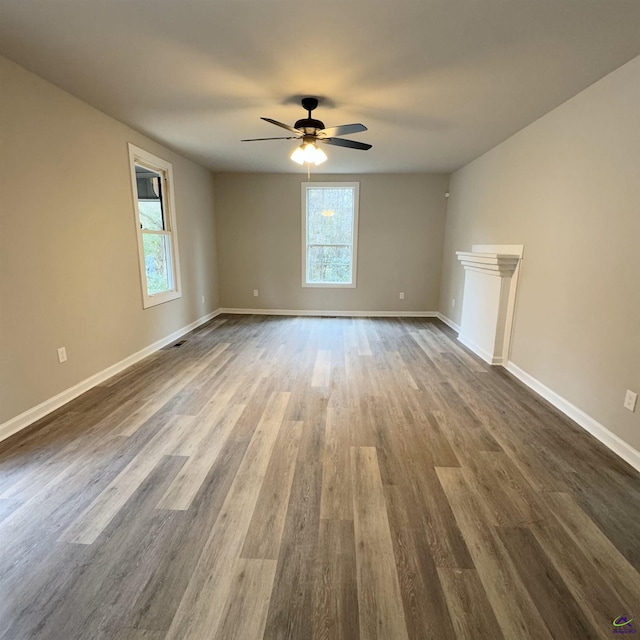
{"x": 342, "y": 130}
{"x": 282, "y": 124}
{"x": 281, "y": 138}
{"x": 341, "y": 142}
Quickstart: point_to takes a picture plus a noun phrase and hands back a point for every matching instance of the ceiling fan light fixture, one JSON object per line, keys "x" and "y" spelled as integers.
{"x": 298, "y": 155}
{"x": 321, "y": 156}
{"x": 309, "y": 153}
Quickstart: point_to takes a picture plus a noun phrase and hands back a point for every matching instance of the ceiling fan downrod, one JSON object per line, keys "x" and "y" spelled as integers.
{"x": 309, "y": 125}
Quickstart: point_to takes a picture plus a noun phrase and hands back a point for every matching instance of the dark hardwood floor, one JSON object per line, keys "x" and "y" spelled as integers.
{"x": 314, "y": 478}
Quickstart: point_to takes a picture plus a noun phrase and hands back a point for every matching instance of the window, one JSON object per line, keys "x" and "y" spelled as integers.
{"x": 154, "y": 210}
{"x": 329, "y": 233}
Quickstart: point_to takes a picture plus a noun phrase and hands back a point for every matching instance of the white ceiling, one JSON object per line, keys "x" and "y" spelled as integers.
{"x": 437, "y": 82}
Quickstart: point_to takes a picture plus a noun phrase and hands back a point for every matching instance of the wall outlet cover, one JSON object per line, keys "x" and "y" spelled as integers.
{"x": 630, "y": 400}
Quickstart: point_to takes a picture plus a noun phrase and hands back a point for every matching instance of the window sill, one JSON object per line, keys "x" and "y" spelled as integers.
{"x": 160, "y": 298}
{"x": 327, "y": 285}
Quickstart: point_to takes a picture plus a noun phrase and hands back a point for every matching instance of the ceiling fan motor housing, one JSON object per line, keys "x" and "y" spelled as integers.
{"x": 309, "y": 125}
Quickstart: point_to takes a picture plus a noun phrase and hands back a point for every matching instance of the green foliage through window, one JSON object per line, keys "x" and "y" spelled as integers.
{"x": 157, "y": 252}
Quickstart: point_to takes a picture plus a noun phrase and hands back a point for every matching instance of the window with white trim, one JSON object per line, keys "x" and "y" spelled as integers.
{"x": 329, "y": 233}
{"x": 154, "y": 212}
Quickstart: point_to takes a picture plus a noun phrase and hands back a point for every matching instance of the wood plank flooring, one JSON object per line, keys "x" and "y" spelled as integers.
{"x": 314, "y": 479}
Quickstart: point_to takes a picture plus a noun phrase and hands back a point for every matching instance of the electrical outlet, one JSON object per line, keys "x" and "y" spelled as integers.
{"x": 402, "y": 295}
{"x": 630, "y": 400}
{"x": 202, "y": 299}
{"x": 453, "y": 303}
{"x": 62, "y": 355}
{"x": 255, "y": 293}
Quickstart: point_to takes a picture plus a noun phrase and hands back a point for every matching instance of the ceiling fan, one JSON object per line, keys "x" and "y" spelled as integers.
{"x": 312, "y": 131}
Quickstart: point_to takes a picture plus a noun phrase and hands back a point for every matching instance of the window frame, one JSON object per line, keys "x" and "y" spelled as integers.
{"x": 354, "y": 245}
{"x": 138, "y": 156}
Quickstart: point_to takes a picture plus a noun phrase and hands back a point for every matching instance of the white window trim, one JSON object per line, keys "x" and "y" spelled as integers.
{"x": 144, "y": 158}
{"x": 354, "y": 256}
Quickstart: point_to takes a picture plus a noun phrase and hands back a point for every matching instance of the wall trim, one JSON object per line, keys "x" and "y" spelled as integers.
{"x": 328, "y": 312}
{"x": 484, "y": 354}
{"x": 449, "y": 322}
{"x": 34, "y": 414}
{"x": 610, "y": 440}
{"x": 621, "y": 448}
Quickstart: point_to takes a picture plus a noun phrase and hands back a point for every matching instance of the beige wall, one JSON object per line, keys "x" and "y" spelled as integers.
{"x": 68, "y": 254}
{"x": 401, "y": 228}
{"x": 568, "y": 188}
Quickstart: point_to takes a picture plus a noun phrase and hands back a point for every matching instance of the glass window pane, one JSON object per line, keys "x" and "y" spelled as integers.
{"x": 151, "y": 215}
{"x": 330, "y": 216}
{"x": 329, "y": 264}
{"x": 150, "y": 199}
{"x": 157, "y": 262}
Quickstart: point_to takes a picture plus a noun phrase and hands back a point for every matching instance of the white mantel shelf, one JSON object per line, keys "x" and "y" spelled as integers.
{"x": 496, "y": 264}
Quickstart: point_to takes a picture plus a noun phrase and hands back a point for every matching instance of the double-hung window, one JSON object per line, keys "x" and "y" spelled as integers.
{"x": 329, "y": 234}
{"x": 154, "y": 209}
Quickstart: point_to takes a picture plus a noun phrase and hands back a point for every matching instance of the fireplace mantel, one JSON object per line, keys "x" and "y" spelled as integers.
{"x": 489, "y": 299}
{"x": 498, "y": 264}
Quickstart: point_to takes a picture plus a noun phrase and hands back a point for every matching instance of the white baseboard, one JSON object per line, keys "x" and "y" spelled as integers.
{"x": 40, "y": 411}
{"x": 621, "y": 448}
{"x": 342, "y": 314}
{"x": 597, "y": 430}
{"x": 485, "y": 355}
{"x": 449, "y": 322}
